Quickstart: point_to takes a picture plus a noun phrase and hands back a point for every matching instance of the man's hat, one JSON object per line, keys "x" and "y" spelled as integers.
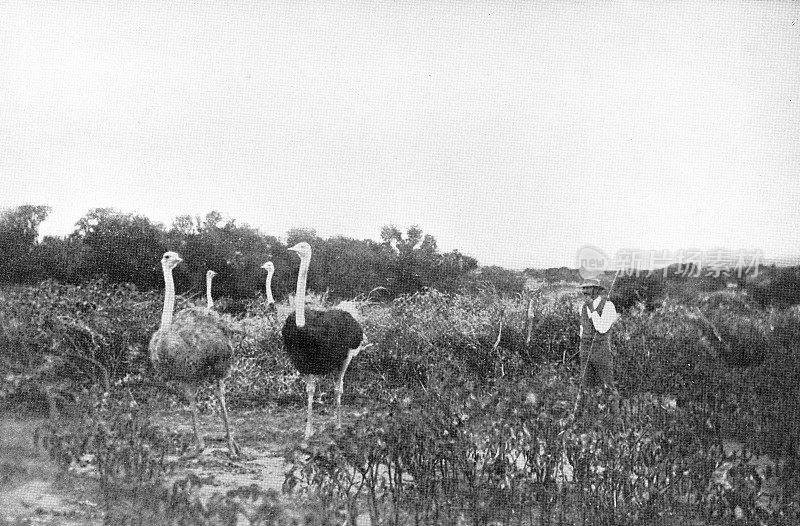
{"x": 591, "y": 283}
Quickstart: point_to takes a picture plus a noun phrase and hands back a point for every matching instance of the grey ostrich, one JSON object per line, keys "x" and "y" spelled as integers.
{"x": 209, "y": 299}
{"x": 319, "y": 342}
{"x": 191, "y": 348}
{"x": 270, "y": 268}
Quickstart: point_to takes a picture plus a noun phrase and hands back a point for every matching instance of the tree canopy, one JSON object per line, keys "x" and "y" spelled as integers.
{"x": 124, "y": 247}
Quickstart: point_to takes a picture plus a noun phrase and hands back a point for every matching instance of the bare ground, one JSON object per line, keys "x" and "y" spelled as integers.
{"x": 31, "y": 488}
{"x": 33, "y": 491}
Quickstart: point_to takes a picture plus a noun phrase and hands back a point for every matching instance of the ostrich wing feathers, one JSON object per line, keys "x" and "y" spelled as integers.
{"x": 201, "y": 315}
{"x": 195, "y": 347}
{"x": 351, "y": 307}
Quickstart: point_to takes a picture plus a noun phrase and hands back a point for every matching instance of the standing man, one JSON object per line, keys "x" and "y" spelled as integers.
{"x": 597, "y": 315}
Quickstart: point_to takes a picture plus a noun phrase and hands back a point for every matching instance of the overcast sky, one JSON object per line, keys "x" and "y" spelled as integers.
{"x": 516, "y": 132}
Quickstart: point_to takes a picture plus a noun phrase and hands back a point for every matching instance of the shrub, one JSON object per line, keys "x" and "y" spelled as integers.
{"x": 511, "y": 453}
{"x": 644, "y": 289}
{"x": 262, "y": 370}
{"x": 62, "y": 338}
{"x": 130, "y": 454}
{"x": 776, "y": 287}
{"x": 114, "y": 433}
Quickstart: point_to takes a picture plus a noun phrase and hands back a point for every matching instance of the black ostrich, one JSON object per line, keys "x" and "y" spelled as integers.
{"x": 319, "y": 342}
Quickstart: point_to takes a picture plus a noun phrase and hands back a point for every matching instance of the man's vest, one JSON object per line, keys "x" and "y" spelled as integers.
{"x": 589, "y": 331}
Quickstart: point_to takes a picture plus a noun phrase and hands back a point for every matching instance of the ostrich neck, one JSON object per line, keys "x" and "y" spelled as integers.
{"x": 300, "y": 294}
{"x": 209, "y": 299}
{"x": 169, "y": 298}
{"x": 270, "y": 299}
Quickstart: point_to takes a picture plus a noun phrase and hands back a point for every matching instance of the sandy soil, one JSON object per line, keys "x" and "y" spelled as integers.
{"x": 35, "y": 492}
{"x": 264, "y": 435}
{"x": 32, "y": 488}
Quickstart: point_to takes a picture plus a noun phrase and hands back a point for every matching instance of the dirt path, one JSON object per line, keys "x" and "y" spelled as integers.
{"x": 32, "y": 489}
{"x": 262, "y": 434}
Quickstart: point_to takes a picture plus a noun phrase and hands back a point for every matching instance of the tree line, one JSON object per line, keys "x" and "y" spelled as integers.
{"x": 126, "y": 248}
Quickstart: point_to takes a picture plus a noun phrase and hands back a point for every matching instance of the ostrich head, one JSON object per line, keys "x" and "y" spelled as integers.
{"x": 268, "y": 266}
{"x": 303, "y": 249}
{"x": 170, "y": 260}
{"x": 210, "y": 274}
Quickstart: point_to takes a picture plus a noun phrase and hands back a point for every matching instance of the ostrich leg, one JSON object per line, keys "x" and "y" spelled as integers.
{"x": 191, "y": 394}
{"x": 232, "y": 445}
{"x": 338, "y": 388}
{"x": 311, "y": 385}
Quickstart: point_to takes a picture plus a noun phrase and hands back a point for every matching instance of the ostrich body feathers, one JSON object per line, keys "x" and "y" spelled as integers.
{"x": 320, "y": 347}
{"x": 195, "y": 347}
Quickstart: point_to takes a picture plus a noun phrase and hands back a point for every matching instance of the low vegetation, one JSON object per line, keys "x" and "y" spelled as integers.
{"x": 467, "y": 410}
{"x": 466, "y": 419}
